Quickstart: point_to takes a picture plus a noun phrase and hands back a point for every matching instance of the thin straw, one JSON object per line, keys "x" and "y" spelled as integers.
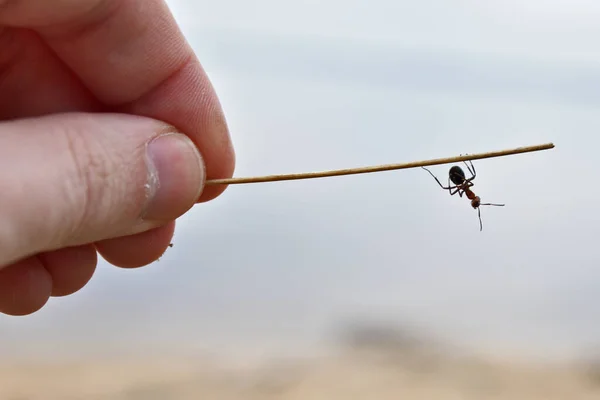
{"x": 379, "y": 168}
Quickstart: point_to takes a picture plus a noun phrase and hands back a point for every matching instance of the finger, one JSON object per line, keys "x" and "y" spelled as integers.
{"x": 131, "y": 55}
{"x": 137, "y": 250}
{"x": 33, "y": 81}
{"x": 70, "y": 268}
{"x": 25, "y": 287}
{"x": 83, "y": 178}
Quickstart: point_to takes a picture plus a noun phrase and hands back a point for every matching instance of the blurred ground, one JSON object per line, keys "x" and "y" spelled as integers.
{"x": 371, "y": 364}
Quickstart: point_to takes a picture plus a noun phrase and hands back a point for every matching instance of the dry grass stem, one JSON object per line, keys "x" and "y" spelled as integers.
{"x": 379, "y": 168}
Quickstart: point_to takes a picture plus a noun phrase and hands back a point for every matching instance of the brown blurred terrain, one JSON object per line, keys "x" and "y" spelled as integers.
{"x": 371, "y": 364}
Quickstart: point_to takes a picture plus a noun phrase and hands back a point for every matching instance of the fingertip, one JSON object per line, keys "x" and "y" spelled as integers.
{"x": 25, "y": 287}
{"x": 71, "y": 268}
{"x": 137, "y": 250}
{"x": 221, "y": 166}
{"x": 211, "y": 192}
{"x": 220, "y": 159}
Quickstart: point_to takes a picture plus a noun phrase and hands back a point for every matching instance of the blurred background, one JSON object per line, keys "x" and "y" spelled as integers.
{"x": 290, "y": 270}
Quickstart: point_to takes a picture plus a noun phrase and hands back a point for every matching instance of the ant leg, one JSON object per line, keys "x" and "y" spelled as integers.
{"x": 458, "y": 189}
{"x": 438, "y": 181}
{"x": 470, "y": 167}
{"x": 471, "y": 171}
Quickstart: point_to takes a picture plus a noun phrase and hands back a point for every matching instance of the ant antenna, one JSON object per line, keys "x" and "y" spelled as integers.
{"x": 479, "y": 212}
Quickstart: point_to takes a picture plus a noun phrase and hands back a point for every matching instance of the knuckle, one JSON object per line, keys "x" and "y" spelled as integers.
{"x": 83, "y": 185}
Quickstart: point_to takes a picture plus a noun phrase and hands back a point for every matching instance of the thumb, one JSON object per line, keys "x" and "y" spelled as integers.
{"x": 76, "y": 178}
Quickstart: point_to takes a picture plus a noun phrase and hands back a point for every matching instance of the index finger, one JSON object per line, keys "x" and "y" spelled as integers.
{"x": 132, "y": 56}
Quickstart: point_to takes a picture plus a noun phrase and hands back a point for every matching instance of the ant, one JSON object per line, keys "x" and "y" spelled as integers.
{"x": 463, "y": 185}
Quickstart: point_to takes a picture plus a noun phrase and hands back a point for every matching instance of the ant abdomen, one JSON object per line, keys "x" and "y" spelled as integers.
{"x": 457, "y": 175}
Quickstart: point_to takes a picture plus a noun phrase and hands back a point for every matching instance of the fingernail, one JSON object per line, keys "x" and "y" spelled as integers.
{"x": 175, "y": 177}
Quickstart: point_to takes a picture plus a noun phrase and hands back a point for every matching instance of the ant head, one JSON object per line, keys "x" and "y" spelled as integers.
{"x": 476, "y": 202}
{"x": 457, "y": 175}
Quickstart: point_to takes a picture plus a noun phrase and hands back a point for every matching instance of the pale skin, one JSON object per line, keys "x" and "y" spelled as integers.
{"x": 85, "y": 86}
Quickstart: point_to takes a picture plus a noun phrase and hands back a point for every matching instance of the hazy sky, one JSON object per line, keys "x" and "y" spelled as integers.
{"x": 329, "y": 84}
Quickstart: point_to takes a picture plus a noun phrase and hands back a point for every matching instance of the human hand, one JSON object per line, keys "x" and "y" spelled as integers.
{"x": 85, "y": 86}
